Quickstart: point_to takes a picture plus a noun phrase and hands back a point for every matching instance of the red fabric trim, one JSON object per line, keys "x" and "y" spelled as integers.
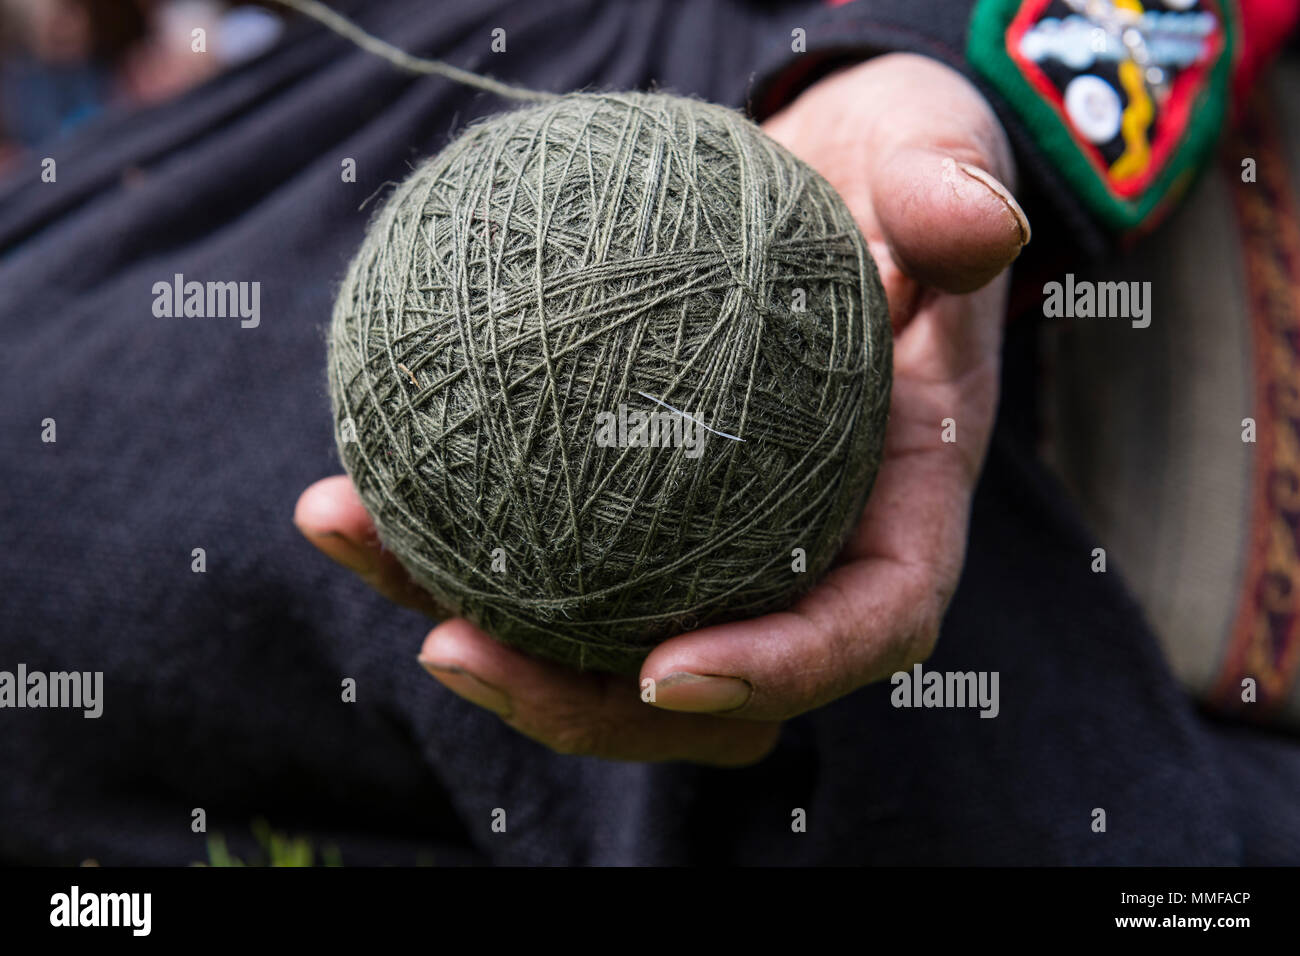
{"x": 1265, "y": 27}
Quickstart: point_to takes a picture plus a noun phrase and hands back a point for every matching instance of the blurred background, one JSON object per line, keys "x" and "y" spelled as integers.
{"x": 65, "y": 61}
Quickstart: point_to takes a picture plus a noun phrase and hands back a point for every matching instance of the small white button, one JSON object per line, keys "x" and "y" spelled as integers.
{"x": 1094, "y": 108}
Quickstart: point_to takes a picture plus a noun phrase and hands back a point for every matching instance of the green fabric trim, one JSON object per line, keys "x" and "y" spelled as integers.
{"x": 986, "y": 50}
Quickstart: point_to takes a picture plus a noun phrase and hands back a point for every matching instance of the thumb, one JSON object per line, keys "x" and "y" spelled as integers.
{"x": 949, "y": 224}
{"x": 938, "y": 170}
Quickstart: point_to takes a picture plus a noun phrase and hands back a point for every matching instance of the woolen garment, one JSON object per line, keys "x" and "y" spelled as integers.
{"x": 223, "y": 689}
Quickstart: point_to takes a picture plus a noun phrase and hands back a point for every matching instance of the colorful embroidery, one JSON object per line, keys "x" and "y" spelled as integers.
{"x": 1127, "y": 96}
{"x": 1265, "y": 639}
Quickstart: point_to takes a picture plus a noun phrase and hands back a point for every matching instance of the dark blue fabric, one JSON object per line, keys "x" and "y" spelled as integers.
{"x": 222, "y": 690}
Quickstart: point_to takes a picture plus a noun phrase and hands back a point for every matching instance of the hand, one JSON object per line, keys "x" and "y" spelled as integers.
{"x": 921, "y": 160}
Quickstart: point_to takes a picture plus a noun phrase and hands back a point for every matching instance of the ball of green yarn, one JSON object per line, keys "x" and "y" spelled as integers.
{"x": 602, "y": 250}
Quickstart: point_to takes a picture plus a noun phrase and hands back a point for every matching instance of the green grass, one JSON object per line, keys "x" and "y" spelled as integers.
{"x": 276, "y": 849}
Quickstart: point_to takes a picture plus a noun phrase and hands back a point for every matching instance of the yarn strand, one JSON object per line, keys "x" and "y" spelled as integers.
{"x": 399, "y": 58}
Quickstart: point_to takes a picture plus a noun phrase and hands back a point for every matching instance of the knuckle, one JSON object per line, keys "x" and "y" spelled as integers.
{"x": 747, "y": 744}
{"x": 757, "y": 747}
{"x": 924, "y": 637}
{"x": 576, "y": 738}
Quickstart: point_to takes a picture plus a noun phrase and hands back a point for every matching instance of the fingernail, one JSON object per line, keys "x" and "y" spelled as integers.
{"x": 701, "y": 694}
{"x": 468, "y": 686}
{"x": 995, "y": 186}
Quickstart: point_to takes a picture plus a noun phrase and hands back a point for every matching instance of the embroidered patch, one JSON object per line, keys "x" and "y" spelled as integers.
{"x": 1126, "y": 96}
